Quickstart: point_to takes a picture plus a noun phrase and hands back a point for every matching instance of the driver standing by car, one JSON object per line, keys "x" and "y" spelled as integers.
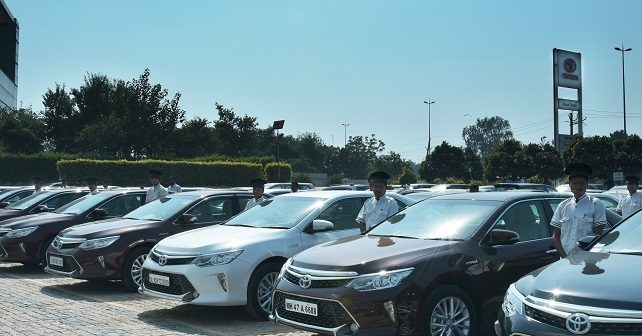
{"x": 633, "y": 201}
{"x": 157, "y": 190}
{"x": 578, "y": 216}
{"x": 38, "y": 182}
{"x": 258, "y": 187}
{"x": 379, "y": 207}
{"x": 92, "y": 184}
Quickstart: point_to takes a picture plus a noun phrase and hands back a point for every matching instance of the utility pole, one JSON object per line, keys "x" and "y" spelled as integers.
{"x": 345, "y": 133}
{"x": 429, "y": 102}
{"x": 622, "y": 50}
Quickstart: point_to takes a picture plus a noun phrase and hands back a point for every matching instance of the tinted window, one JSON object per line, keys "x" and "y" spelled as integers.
{"x": 123, "y": 204}
{"x": 528, "y": 219}
{"x": 83, "y": 204}
{"x": 278, "y": 212}
{"x": 62, "y": 199}
{"x": 343, "y": 213}
{"x": 29, "y": 201}
{"x": 213, "y": 210}
{"x": 14, "y": 196}
{"x": 608, "y": 203}
{"x": 162, "y": 208}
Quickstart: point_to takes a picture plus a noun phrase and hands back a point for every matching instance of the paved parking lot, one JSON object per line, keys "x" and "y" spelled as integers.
{"x": 36, "y": 303}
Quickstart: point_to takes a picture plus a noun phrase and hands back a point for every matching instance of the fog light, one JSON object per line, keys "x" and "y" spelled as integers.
{"x": 222, "y": 279}
{"x": 22, "y": 247}
{"x": 195, "y": 295}
{"x": 354, "y": 328}
{"x": 389, "y": 306}
{"x": 101, "y": 260}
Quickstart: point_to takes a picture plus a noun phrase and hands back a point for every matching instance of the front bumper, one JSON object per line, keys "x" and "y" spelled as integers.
{"x": 19, "y": 250}
{"x": 85, "y": 264}
{"x": 223, "y": 285}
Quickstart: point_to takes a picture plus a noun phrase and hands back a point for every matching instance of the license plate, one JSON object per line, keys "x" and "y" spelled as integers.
{"x": 301, "y": 307}
{"x": 56, "y": 261}
{"x": 159, "y": 280}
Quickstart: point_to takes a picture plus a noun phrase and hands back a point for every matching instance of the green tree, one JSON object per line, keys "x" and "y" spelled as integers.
{"x": 474, "y": 170}
{"x": 61, "y": 119}
{"x": 195, "y": 138}
{"x": 21, "y": 131}
{"x": 407, "y": 176}
{"x": 391, "y": 163}
{"x": 598, "y": 152}
{"x": 357, "y": 158}
{"x": 444, "y": 161}
{"x": 486, "y": 134}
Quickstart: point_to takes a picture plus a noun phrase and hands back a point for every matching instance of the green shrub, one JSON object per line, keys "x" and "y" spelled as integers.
{"x": 302, "y": 178}
{"x": 272, "y": 172}
{"x": 335, "y": 179}
{"x": 19, "y": 169}
{"x": 135, "y": 173}
{"x": 407, "y": 176}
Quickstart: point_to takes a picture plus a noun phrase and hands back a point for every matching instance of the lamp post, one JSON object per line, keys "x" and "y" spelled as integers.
{"x": 622, "y": 50}
{"x": 345, "y": 133}
{"x": 429, "y": 102}
{"x": 277, "y": 125}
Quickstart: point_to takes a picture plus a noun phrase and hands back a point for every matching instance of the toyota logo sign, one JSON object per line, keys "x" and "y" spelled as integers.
{"x": 305, "y": 281}
{"x": 578, "y": 323}
{"x": 57, "y": 244}
{"x": 162, "y": 259}
{"x": 570, "y": 65}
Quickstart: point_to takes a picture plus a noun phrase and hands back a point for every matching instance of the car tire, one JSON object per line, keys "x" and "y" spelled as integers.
{"x": 437, "y": 312}
{"x": 42, "y": 253}
{"x": 133, "y": 267}
{"x": 259, "y": 290}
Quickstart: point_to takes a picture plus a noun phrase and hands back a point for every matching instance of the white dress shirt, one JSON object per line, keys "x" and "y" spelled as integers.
{"x": 577, "y": 219}
{"x": 174, "y": 188}
{"x": 155, "y": 193}
{"x": 251, "y": 203}
{"x": 375, "y": 211}
{"x": 630, "y": 204}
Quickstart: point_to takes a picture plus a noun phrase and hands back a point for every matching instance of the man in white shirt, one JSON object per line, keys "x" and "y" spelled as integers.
{"x": 258, "y": 187}
{"x": 38, "y": 182}
{"x": 578, "y": 216}
{"x": 379, "y": 207}
{"x": 174, "y": 187}
{"x": 633, "y": 201}
{"x": 92, "y": 184}
{"x": 157, "y": 190}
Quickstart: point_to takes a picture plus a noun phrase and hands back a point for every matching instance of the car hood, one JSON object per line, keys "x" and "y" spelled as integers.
{"x": 603, "y": 280}
{"x": 374, "y": 253}
{"x": 107, "y": 227}
{"x": 215, "y": 238}
{"x": 8, "y": 213}
{"x": 34, "y": 220}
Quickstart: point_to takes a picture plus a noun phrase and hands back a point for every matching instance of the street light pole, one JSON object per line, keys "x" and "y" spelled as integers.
{"x": 622, "y": 50}
{"x": 429, "y": 102}
{"x": 345, "y": 133}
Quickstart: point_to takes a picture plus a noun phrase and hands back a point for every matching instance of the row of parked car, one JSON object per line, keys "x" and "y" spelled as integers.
{"x": 441, "y": 266}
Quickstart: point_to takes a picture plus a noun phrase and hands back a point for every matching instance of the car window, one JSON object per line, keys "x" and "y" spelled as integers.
{"x": 123, "y": 204}
{"x": 343, "y": 213}
{"x": 554, "y": 203}
{"x": 18, "y": 196}
{"x": 608, "y": 203}
{"x": 242, "y": 200}
{"x": 62, "y": 199}
{"x": 527, "y": 218}
{"x": 213, "y": 210}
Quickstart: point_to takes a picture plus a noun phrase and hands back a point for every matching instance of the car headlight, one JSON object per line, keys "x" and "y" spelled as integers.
{"x": 285, "y": 267}
{"x": 98, "y": 243}
{"x": 21, "y": 232}
{"x": 217, "y": 258}
{"x": 381, "y": 280}
{"x": 513, "y": 302}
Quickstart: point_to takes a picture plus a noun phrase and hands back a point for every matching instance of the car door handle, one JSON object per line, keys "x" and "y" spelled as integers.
{"x": 553, "y": 251}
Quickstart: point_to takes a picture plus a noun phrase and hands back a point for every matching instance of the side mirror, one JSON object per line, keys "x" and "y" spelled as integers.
{"x": 187, "y": 219}
{"x": 319, "y": 225}
{"x": 41, "y": 208}
{"x": 502, "y": 237}
{"x": 584, "y": 242}
{"x": 4, "y": 205}
{"x": 98, "y": 213}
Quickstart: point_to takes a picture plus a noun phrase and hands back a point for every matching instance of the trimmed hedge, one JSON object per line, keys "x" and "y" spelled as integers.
{"x": 19, "y": 169}
{"x": 135, "y": 173}
{"x": 272, "y": 173}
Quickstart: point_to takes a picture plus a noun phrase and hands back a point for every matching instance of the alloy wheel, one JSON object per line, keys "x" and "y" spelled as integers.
{"x": 264, "y": 291}
{"x": 450, "y": 317}
{"x": 137, "y": 268}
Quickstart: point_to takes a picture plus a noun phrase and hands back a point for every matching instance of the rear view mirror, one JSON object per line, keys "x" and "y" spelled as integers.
{"x": 319, "y": 225}
{"x": 98, "y": 213}
{"x": 584, "y": 242}
{"x": 4, "y": 205}
{"x": 41, "y": 208}
{"x": 187, "y": 219}
{"x": 502, "y": 237}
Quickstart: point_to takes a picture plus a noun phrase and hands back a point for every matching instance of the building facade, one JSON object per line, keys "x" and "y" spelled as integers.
{"x": 8, "y": 58}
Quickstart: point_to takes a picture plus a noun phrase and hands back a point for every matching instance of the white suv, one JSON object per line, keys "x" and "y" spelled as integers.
{"x": 237, "y": 263}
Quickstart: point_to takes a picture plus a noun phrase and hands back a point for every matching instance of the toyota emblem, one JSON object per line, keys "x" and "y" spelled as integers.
{"x": 305, "y": 281}
{"x": 570, "y": 65}
{"x": 57, "y": 244}
{"x": 162, "y": 259}
{"x": 578, "y": 323}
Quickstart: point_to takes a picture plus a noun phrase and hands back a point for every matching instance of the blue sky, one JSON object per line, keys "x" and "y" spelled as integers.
{"x": 318, "y": 64}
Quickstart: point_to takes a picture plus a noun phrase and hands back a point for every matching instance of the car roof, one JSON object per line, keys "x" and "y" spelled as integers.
{"x": 520, "y": 184}
{"x": 501, "y": 196}
{"x": 329, "y": 193}
{"x": 210, "y": 192}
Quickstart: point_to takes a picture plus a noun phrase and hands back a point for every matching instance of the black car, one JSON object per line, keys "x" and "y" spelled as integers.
{"x": 10, "y": 196}
{"x": 25, "y": 239}
{"x": 42, "y": 202}
{"x": 591, "y": 292}
{"x": 116, "y": 249}
{"x": 439, "y": 267}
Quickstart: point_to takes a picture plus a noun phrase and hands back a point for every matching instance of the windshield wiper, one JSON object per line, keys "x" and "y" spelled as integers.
{"x": 627, "y": 253}
{"x": 243, "y": 225}
{"x": 449, "y": 239}
{"x": 275, "y": 227}
{"x": 393, "y": 236}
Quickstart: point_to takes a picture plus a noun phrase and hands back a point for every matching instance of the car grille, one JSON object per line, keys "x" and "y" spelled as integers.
{"x": 330, "y": 313}
{"x": 331, "y": 283}
{"x": 597, "y": 328}
{"x": 178, "y": 283}
{"x": 62, "y": 243}
{"x": 69, "y": 264}
{"x": 172, "y": 260}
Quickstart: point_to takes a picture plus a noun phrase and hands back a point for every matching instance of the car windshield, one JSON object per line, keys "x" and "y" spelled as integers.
{"x": 29, "y": 201}
{"x": 437, "y": 219}
{"x": 625, "y": 238}
{"x": 279, "y": 212}
{"x": 163, "y": 208}
{"x": 83, "y": 204}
